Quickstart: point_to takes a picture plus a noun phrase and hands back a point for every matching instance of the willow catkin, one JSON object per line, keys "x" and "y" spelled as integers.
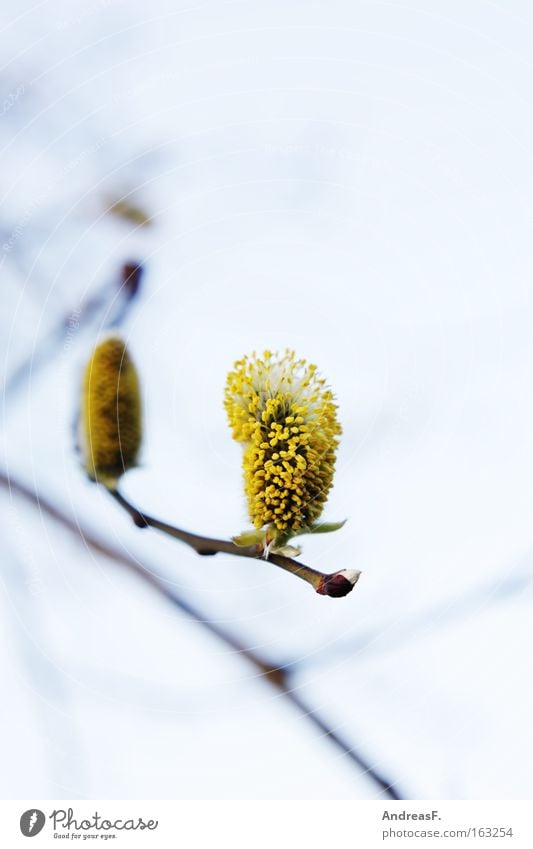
{"x": 110, "y": 422}
{"x": 285, "y": 417}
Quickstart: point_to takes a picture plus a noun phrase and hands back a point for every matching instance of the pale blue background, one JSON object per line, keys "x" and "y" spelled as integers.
{"x": 350, "y": 179}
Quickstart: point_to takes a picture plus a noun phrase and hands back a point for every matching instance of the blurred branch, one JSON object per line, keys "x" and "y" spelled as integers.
{"x": 278, "y": 677}
{"x": 60, "y": 730}
{"x": 334, "y": 584}
{"x": 128, "y": 287}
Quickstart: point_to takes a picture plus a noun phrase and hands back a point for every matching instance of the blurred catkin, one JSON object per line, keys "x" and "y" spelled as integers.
{"x": 110, "y": 422}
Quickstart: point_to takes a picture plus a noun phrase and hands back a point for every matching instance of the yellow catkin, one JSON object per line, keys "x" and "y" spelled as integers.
{"x": 110, "y": 424}
{"x": 286, "y": 418}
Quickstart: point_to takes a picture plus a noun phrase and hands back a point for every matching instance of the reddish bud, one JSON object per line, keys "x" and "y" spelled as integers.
{"x": 339, "y": 584}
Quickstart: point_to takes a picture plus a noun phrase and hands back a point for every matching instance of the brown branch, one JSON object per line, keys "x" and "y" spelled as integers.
{"x": 335, "y": 584}
{"x": 276, "y": 676}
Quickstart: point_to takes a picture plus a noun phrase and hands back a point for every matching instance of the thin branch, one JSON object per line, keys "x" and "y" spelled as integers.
{"x": 334, "y": 584}
{"x": 277, "y": 676}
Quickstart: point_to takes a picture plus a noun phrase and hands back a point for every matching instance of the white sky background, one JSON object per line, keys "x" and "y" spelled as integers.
{"x": 351, "y": 180}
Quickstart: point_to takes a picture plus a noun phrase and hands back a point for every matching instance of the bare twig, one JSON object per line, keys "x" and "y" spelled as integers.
{"x": 335, "y": 584}
{"x": 276, "y": 676}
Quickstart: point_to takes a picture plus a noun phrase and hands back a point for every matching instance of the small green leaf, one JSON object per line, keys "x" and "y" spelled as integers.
{"x": 287, "y": 550}
{"x": 323, "y": 528}
{"x": 254, "y": 537}
{"x": 327, "y": 527}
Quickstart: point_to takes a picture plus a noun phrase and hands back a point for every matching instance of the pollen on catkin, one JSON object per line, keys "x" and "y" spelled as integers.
{"x": 286, "y": 418}
{"x": 110, "y": 420}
